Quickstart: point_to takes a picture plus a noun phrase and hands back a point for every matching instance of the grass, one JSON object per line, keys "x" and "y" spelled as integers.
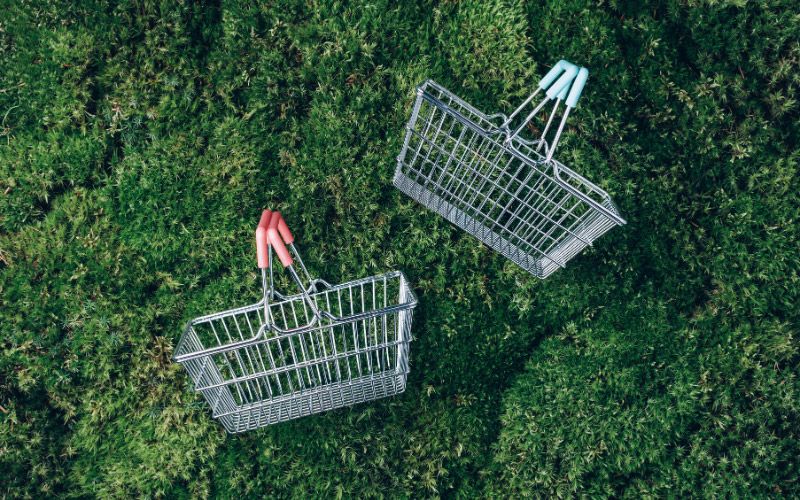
{"x": 140, "y": 141}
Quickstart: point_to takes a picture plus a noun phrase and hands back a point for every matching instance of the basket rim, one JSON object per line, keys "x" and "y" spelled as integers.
{"x": 521, "y": 150}
{"x": 410, "y": 303}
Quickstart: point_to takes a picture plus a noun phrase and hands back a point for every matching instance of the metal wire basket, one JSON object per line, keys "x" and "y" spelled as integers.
{"x": 286, "y": 357}
{"x": 477, "y": 172}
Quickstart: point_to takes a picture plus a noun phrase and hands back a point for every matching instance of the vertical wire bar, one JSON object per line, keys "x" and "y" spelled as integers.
{"x": 487, "y": 195}
{"x": 364, "y": 330}
{"x": 325, "y": 362}
{"x": 308, "y": 356}
{"x": 409, "y": 130}
{"x": 355, "y": 336}
{"x": 278, "y": 338}
{"x": 474, "y": 179}
{"x": 455, "y": 174}
{"x": 433, "y": 141}
{"x": 331, "y": 334}
{"x": 224, "y": 357}
{"x": 383, "y": 321}
{"x": 344, "y": 339}
{"x": 374, "y": 328}
{"x": 535, "y": 226}
{"x": 539, "y": 214}
{"x": 245, "y": 364}
{"x": 484, "y": 174}
{"x": 376, "y": 320}
{"x": 253, "y": 366}
{"x": 529, "y": 209}
{"x": 567, "y": 213}
{"x": 272, "y": 363}
{"x": 523, "y": 235}
{"x": 295, "y": 360}
{"x": 440, "y": 152}
{"x": 265, "y": 378}
{"x": 530, "y": 214}
{"x": 424, "y": 132}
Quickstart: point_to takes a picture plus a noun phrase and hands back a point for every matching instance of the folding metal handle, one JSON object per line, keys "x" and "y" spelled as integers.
{"x": 564, "y": 71}
{"x": 571, "y": 102}
{"x": 273, "y": 233}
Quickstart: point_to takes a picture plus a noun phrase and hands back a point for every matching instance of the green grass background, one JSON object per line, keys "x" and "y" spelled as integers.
{"x": 139, "y": 142}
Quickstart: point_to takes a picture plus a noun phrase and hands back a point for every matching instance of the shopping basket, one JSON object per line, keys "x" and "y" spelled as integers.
{"x": 477, "y": 172}
{"x": 289, "y": 356}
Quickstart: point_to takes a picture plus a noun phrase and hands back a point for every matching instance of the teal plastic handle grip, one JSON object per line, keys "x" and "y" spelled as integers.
{"x": 556, "y": 70}
{"x": 566, "y": 65}
{"x": 563, "y": 81}
{"x": 577, "y": 87}
{"x": 551, "y": 75}
{"x": 563, "y": 94}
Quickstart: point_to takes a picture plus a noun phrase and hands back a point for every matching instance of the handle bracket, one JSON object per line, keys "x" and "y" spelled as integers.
{"x": 554, "y": 84}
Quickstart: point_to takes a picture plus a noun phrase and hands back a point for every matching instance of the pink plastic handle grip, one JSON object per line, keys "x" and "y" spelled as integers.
{"x": 285, "y": 233}
{"x": 276, "y": 241}
{"x": 262, "y": 239}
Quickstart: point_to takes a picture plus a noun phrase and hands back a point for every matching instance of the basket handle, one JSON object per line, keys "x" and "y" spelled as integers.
{"x": 563, "y": 73}
{"x": 569, "y": 71}
{"x": 571, "y": 102}
{"x": 577, "y": 88}
{"x": 278, "y": 236}
{"x": 262, "y": 241}
{"x": 273, "y": 233}
{"x": 577, "y": 82}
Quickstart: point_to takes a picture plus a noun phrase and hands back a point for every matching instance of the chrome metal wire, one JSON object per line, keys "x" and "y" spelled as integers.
{"x": 508, "y": 192}
{"x": 286, "y": 357}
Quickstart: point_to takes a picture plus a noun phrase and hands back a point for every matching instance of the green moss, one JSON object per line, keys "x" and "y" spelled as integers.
{"x": 139, "y": 142}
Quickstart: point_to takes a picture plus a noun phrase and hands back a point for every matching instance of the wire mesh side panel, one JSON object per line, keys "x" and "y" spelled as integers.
{"x": 280, "y": 377}
{"x": 585, "y": 229}
{"x": 454, "y": 162}
{"x": 205, "y": 373}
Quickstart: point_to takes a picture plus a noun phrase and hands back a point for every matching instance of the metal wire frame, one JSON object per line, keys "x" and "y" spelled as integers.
{"x": 254, "y": 372}
{"x": 468, "y": 167}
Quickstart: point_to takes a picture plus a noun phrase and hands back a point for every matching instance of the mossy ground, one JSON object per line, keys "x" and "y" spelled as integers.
{"x": 139, "y": 142}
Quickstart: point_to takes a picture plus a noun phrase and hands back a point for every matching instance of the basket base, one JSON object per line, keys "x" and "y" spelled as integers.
{"x": 315, "y": 401}
{"x": 540, "y": 267}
